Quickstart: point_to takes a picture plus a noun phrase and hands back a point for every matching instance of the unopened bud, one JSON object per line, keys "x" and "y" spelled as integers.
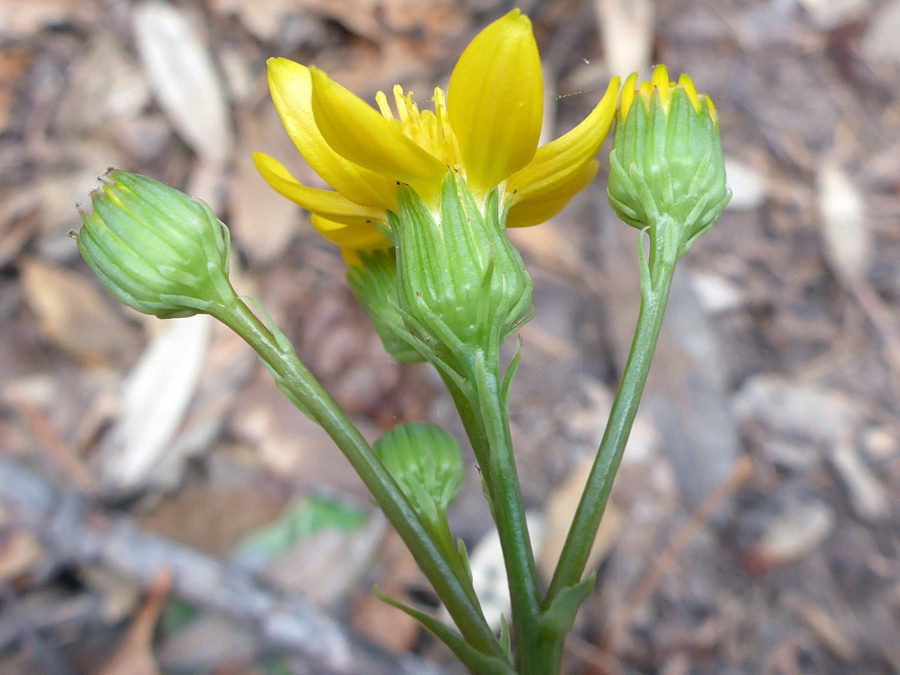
{"x": 667, "y": 171}
{"x": 156, "y": 249}
{"x": 426, "y": 463}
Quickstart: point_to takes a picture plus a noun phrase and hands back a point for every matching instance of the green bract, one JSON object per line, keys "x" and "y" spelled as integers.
{"x": 667, "y": 172}
{"x": 461, "y": 285}
{"x": 374, "y": 278}
{"x": 426, "y": 463}
{"x": 156, "y": 249}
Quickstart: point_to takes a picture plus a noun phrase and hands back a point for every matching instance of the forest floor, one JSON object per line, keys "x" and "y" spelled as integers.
{"x": 164, "y": 509}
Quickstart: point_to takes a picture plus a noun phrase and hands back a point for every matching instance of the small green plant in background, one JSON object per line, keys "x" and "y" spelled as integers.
{"x": 420, "y": 207}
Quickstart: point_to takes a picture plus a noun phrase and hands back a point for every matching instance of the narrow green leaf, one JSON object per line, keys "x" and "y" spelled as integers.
{"x": 477, "y": 662}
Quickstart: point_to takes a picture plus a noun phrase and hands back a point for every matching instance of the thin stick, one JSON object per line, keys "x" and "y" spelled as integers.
{"x": 72, "y": 531}
{"x": 60, "y": 452}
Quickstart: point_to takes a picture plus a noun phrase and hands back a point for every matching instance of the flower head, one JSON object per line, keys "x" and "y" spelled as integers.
{"x": 461, "y": 284}
{"x": 485, "y": 130}
{"x": 667, "y": 171}
{"x": 156, "y": 249}
{"x": 427, "y": 464}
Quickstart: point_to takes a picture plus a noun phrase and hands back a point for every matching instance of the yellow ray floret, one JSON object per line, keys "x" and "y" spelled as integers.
{"x": 664, "y": 88}
{"x": 486, "y": 130}
{"x": 496, "y": 102}
{"x": 557, "y": 172}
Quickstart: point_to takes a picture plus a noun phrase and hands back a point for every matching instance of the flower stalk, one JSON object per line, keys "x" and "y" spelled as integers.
{"x": 667, "y": 179}
{"x": 298, "y": 383}
{"x": 509, "y": 514}
{"x": 656, "y": 281}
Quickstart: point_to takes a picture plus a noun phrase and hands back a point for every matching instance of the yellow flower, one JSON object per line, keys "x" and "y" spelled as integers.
{"x": 487, "y": 130}
{"x": 667, "y": 172}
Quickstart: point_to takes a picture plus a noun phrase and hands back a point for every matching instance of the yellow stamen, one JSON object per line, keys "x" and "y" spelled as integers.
{"x": 383, "y": 106}
{"x": 431, "y": 131}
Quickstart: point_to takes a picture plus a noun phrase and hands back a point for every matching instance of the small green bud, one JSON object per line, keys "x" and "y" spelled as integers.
{"x": 156, "y": 249}
{"x": 426, "y": 463}
{"x": 462, "y": 284}
{"x": 667, "y": 171}
{"x": 373, "y": 275}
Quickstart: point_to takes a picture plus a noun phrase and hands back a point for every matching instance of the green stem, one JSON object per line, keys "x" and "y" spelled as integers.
{"x": 509, "y": 515}
{"x": 450, "y": 549}
{"x": 302, "y": 385}
{"x": 473, "y": 426}
{"x": 656, "y": 280}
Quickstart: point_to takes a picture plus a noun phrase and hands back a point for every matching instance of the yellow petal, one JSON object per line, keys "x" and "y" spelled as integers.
{"x": 495, "y": 102}
{"x": 537, "y": 210}
{"x": 628, "y": 94}
{"x": 291, "y": 88}
{"x": 360, "y": 134}
{"x": 555, "y": 163}
{"x": 358, "y": 237}
{"x": 710, "y": 106}
{"x": 324, "y": 202}
{"x": 688, "y": 84}
{"x": 660, "y": 80}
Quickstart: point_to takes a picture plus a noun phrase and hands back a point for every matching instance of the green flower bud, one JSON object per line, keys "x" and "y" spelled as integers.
{"x": 373, "y": 275}
{"x": 156, "y": 249}
{"x": 462, "y": 285}
{"x": 427, "y": 464}
{"x": 667, "y": 172}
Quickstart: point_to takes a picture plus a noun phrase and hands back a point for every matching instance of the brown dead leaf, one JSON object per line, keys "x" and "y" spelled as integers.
{"x": 845, "y": 230}
{"x": 18, "y": 222}
{"x": 183, "y": 76}
{"x": 61, "y": 453}
{"x": 155, "y": 398}
{"x": 14, "y": 65}
{"x": 73, "y": 315}
{"x": 105, "y": 83}
{"x": 796, "y": 532}
{"x": 134, "y": 655}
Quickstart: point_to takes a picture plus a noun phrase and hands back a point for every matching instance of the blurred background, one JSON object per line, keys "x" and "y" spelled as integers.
{"x": 164, "y": 509}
